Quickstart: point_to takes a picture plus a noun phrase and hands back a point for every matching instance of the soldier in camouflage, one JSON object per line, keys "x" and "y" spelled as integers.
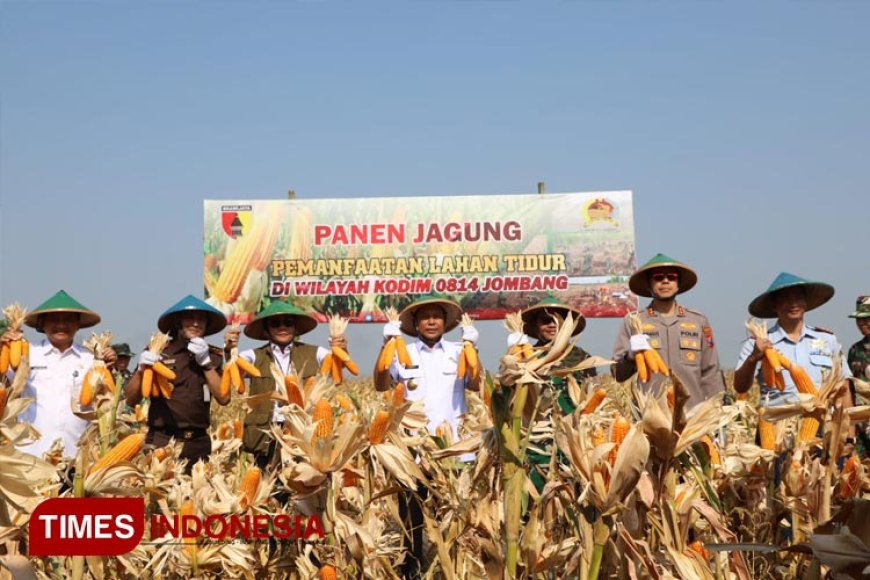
{"x": 859, "y": 363}
{"x": 859, "y": 354}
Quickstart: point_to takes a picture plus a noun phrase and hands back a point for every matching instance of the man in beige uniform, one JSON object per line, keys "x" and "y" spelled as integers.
{"x": 682, "y": 336}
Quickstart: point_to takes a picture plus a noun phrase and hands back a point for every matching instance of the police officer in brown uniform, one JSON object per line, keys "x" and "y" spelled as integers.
{"x": 185, "y": 416}
{"x": 682, "y": 336}
{"x": 281, "y": 323}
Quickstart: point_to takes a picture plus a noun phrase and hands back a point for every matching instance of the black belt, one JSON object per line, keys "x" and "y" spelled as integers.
{"x": 182, "y": 434}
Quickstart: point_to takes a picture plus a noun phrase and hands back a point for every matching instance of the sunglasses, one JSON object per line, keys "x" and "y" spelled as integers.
{"x": 662, "y": 276}
{"x": 279, "y": 322}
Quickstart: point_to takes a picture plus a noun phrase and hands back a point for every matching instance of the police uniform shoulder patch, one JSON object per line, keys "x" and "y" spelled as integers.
{"x": 693, "y": 311}
{"x": 708, "y": 336}
{"x": 821, "y": 329}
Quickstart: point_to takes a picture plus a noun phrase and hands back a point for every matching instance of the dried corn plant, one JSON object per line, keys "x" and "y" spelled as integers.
{"x": 637, "y": 484}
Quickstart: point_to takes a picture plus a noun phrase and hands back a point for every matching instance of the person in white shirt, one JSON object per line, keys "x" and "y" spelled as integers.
{"x": 281, "y": 323}
{"x": 431, "y": 378}
{"x": 57, "y": 368}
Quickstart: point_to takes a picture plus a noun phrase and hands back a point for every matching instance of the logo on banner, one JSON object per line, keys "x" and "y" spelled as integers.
{"x": 236, "y": 220}
{"x": 65, "y": 526}
{"x": 599, "y": 210}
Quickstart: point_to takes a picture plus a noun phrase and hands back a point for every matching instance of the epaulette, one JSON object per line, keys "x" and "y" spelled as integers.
{"x": 694, "y": 311}
{"x": 825, "y": 330}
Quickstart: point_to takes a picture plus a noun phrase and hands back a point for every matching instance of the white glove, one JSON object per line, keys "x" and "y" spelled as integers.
{"x": 148, "y": 358}
{"x": 639, "y": 343}
{"x": 392, "y": 329}
{"x": 199, "y": 348}
{"x": 517, "y": 338}
{"x": 470, "y": 334}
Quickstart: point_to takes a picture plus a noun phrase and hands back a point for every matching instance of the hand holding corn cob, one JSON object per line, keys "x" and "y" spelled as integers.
{"x": 337, "y": 359}
{"x": 648, "y": 361}
{"x": 13, "y": 345}
{"x": 98, "y": 375}
{"x": 394, "y": 344}
{"x": 469, "y": 363}
{"x": 156, "y": 377}
{"x": 518, "y": 342}
{"x": 774, "y": 362}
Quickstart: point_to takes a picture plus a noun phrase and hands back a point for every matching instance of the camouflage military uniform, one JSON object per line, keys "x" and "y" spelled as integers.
{"x": 859, "y": 363}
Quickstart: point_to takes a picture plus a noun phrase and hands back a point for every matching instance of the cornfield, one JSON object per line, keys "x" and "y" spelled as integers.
{"x": 636, "y": 486}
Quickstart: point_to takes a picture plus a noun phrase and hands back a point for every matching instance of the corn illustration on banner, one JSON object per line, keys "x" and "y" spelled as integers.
{"x": 357, "y": 256}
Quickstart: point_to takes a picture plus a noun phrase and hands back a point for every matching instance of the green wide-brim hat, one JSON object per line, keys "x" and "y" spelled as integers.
{"x": 862, "y": 308}
{"x": 639, "y": 282}
{"x": 62, "y": 302}
{"x": 452, "y": 313}
{"x": 550, "y": 305}
{"x": 122, "y": 349}
{"x": 817, "y": 294}
{"x": 256, "y": 329}
{"x": 216, "y": 319}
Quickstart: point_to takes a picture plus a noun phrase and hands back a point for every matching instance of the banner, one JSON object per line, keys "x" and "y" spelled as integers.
{"x": 355, "y": 257}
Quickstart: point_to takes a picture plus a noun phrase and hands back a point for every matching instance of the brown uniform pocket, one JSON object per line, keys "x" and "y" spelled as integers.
{"x": 690, "y": 348}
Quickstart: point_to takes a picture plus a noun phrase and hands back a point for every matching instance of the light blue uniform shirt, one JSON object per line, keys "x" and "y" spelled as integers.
{"x": 814, "y": 351}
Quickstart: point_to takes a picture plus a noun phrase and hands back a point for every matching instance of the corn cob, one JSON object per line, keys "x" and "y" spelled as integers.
{"x": 767, "y": 434}
{"x": 226, "y": 381}
{"x": 86, "y": 396}
{"x": 4, "y": 358}
{"x": 247, "y": 367}
{"x": 462, "y": 365}
{"x": 660, "y": 362}
{"x": 378, "y": 428}
{"x": 344, "y": 402}
{"x": 309, "y": 383}
{"x": 164, "y": 387}
{"x": 398, "y": 395}
{"x": 3, "y": 395}
{"x": 779, "y": 381}
{"x": 15, "y": 353}
{"x": 271, "y": 227}
{"x": 349, "y": 479}
{"x": 345, "y": 359}
{"x": 642, "y": 370}
{"x": 164, "y": 371}
{"x": 238, "y": 428}
{"x": 671, "y": 398}
{"x": 323, "y": 416}
{"x": 809, "y": 429}
{"x": 472, "y": 360}
{"x": 147, "y": 380}
{"x": 336, "y": 370}
{"x": 712, "y": 451}
{"x": 783, "y": 361}
{"x": 294, "y": 393}
{"x": 698, "y": 547}
{"x": 618, "y": 432}
{"x": 651, "y": 362}
{"x": 187, "y": 509}
{"x": 327, "y": 572}
{"x": 772, "y": 359}
{"x": 594, "y": 401}
{"x": 236, "y": 378}
{"x": 237, "y": 266}
{"x": 388, "y": 351}
{"x": 224, "y": 432}
{"x": 326, "y": 366}
{"x": 123, "y": 451}
{"x": 768, "y": 374}
{"x": 599, "y": 437}
{"x": 248, "y": 487}
{"x": 851, "y": 479}
{"x": 402, "y": 352}
{"x": 742, "y": 396}
{"x": 802, "y": 381}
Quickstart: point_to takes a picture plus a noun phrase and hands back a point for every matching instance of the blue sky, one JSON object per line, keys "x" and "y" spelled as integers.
{"x": 741, "y": 127}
